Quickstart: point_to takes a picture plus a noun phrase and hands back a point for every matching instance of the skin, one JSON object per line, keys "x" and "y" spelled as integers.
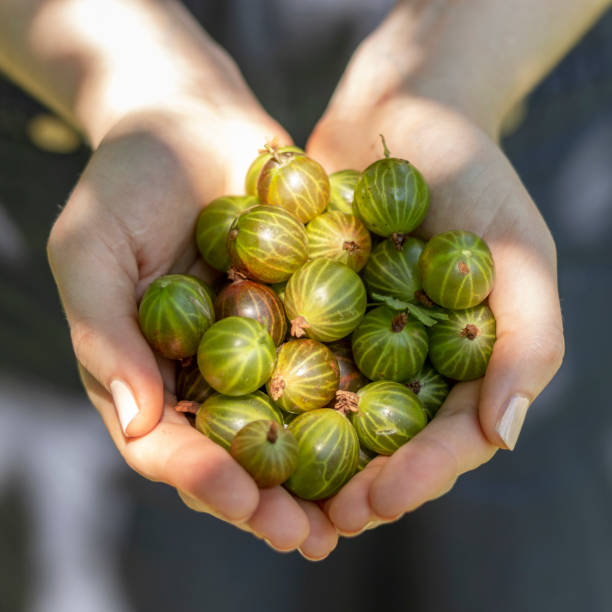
{"x": 165, "y": 142}
{"x": 444, "y": 111}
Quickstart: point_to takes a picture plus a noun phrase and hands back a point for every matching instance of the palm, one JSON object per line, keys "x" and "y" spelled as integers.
{"x": 131, "y": 219}
{"x": 473, "y": 187}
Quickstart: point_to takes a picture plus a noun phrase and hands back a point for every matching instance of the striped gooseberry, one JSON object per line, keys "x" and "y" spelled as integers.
{"x": 236, "y": 355}
{"x": 341, "y": 237}
{"x": 213, "y": 225}
{"x": 342, "y": 190}
{"x": 252, "y": 175}
{"x": 385, "y": 415}
{"x": 279, "y": 289}
{"x": 430, "y": 387}
{"x": 295, "y": 182}
{"x": 328, "y": 452}
{"x": 174, "y": 313}
{"x": 365, "y": 456}
{"x": 267, "y": 451}
{"x": 460, "y": 348}
{"x": 325, "y": 300}
{"x": 305, "y": 376}
{"x": 190, "y": 385}
{"x": 393, "y": 268}
{"x": 267, "y": 244}
{"x": 351, "y": 378}
{"x": 389, "y": 345}
{"x": 457, "y": 269}
{"x": 245, "y": 298}
{"x": 391, "y": 196}
{"x": 221, "y": 417}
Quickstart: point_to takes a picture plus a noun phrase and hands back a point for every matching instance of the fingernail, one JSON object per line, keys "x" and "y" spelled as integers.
{"x": 372, "y": 525}
{"x": 511, "y": 421}
{"x": 125, "y": 403}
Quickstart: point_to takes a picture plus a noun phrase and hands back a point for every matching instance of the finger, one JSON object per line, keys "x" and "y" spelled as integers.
{"x": 197, "y": 506}
{"x": 350, "y": 509}
{"x": 97, "y": 287}
{"x": 279, "y": 520}
{"x": 322, "y": 538}
{"x": 177, "y": 454}
{"x": 529, "y": 346}
{"x": 428, "y": 466}
{"x": 272, "y": 522}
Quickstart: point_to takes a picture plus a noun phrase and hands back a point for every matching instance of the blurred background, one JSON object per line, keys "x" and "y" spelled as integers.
{"x": 531, "y": 530}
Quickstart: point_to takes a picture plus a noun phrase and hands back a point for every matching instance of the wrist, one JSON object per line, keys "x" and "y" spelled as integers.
{"x": 403, "y": 60}
{"x": 98, "y": 61}
{"x": 199, "y": 80}
{"x": 479, "y": 58}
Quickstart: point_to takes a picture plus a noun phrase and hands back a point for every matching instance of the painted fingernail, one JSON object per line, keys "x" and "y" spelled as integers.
{"x": 125, "y": 403}
{"x": 511, "y": 421}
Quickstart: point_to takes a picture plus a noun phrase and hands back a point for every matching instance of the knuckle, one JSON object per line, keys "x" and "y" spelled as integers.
{"x": 84, "y": 340}
{"x": 551, "y": 350}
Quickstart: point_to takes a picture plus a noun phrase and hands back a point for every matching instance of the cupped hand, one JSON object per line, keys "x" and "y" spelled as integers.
{"x": 473, "y": 187}
{"x": 130, "y": 219}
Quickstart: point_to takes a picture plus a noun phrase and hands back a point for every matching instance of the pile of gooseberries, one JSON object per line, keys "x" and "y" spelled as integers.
{"x": 335, "y": 333}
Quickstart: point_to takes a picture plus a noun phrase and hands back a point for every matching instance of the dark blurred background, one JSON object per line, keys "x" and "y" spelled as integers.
{"x": 531, "y": 530}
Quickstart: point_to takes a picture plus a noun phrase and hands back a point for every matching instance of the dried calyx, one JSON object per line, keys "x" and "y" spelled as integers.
{"x": 236, "y": 275}
{"x": 470, "y": 332}
{"x": 346, "y": 401}
{"x": 298, "y": 327}
{"x": 398, "y": 240}
{"x": 414, "y": 386}
{"x": 350, "y": 245}
{"x": 423, "y": 298}
{"x": 399, "y": 322}
{"x": 187, "y": 406}
{"x": 277, "y": 387}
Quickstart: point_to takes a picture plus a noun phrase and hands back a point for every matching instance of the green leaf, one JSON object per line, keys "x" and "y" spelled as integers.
{"x": 420, "y": 314}
{"x": 391, "y": 302}
{"x": 427, "y": 316}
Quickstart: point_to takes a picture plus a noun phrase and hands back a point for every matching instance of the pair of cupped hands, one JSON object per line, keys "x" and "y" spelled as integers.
{"x": 131, "y": 219}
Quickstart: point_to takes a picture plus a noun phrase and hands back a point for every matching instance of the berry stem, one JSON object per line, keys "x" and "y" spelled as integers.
{"x": 385, "y": 149}
{"x": 399, "y": 322}
{"x": 272, "y": 433}
{"x": 273, "y": 151}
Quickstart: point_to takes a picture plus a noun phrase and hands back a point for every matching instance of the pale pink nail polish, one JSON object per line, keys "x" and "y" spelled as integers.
{"x": 511, "y": 421}
{"x": 125, "y": 403}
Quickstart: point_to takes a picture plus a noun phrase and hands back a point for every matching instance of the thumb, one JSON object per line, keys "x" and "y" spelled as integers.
{"x": 99, "y": 299}
{"x": 529, "y": 347}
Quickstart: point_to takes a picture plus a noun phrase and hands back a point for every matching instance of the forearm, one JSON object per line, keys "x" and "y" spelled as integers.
{"x": 479, "y": 56}
{"x": 94, "y": 61}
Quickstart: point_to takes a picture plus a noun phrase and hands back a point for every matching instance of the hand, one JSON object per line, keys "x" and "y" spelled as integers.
{"x": 473, "y": 187}
{"x": 130, "y": 219}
